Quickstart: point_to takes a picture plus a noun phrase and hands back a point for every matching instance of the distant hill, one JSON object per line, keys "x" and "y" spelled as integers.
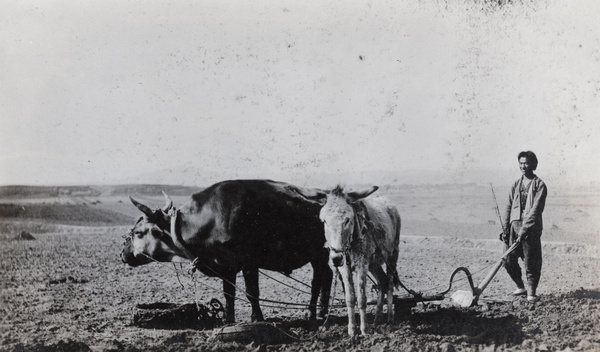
{"x": 154, "y": 190}
{"x": 8, "y": 193}
{"x": 12, "y": 192}
{"x": 35, "y": 192}
{"x": 149, "y": 189}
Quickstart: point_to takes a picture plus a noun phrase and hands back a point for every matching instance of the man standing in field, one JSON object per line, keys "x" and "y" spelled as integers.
{"x": 523, "y": 224}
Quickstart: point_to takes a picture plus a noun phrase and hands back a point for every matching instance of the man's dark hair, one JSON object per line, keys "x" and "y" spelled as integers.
{"x": 530, "y": 157}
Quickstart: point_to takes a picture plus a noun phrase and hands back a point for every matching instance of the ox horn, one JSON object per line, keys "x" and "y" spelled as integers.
{"x": 354, "y": 196}
{"x": 169, "y": 202}
{"x": 313, "y": 195}
{"x": 144, "y": 209}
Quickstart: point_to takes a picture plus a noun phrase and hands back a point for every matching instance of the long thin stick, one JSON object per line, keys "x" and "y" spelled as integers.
{"x": 497, "y": 209}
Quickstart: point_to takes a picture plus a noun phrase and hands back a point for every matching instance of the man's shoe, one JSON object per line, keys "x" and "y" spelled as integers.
{"x": 533, "y": 298}
{"x": 520, "y": 292}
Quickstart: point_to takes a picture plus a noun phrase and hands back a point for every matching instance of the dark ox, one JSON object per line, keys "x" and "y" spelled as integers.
{"x": 233, "y": 226}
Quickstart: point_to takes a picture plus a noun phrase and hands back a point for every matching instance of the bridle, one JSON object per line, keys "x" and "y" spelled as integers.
{"x": 129, "y": 237}
{"x": 345, "y": 251}
{"x": 175, "y": 238}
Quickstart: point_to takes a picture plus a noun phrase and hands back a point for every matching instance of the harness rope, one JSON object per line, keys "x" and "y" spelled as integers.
{"x": 283, "y": 283}
{"x": 299, "y": 305}
{"x": 177, "y": 240}
{"x": 173, "y": 213}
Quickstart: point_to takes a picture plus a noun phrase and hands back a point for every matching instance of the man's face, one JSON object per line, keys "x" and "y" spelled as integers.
{"x": 525, "y": 166}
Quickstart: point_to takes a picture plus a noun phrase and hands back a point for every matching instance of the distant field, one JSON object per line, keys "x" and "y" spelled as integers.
{"x": 40, "y": 209}
{"x": 446, "y": 210}
{"x": 69, "y": 214}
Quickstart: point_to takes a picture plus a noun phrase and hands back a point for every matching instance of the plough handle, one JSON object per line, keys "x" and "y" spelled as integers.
{"x": 494, "y": 270}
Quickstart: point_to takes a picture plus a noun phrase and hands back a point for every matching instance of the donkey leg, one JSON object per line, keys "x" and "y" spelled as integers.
{"x": 390, "y": 295}
{"x": 381, "y": 278}
{"x": 346, "y": 274}
{"x": 252, "y": 293}
{"x": 361, "y": 285}
{"x": 393, "y": 278}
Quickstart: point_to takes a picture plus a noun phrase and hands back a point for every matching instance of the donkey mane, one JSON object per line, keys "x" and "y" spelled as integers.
{"x": 338, "y": 191}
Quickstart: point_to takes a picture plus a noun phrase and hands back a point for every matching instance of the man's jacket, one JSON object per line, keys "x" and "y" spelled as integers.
{"x": 532, "y": 214}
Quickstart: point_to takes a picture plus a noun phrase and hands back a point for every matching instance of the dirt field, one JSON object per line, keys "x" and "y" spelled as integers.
{"x": 67, "y": 290}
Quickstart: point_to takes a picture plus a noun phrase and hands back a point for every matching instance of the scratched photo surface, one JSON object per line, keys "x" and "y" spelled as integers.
{"x": 431, "y": 101}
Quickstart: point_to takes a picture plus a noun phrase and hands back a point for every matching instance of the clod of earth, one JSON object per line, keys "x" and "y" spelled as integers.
{"x": 24, "y": 236}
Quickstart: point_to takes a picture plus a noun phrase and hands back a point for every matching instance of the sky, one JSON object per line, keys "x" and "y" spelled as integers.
{"x": 314, "y": 92}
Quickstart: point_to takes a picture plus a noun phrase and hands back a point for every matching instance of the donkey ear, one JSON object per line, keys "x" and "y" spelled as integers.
{"x": 144, "y": 209}
{"x": 311, "y": 194}
{"x": 354, "y": 196}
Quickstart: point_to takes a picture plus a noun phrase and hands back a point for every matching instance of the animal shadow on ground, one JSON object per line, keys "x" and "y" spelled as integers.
{"x": 469, "y": 326}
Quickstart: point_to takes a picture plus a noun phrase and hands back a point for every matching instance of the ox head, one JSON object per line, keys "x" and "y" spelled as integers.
{"x": 149, "y": 239}
{"x": 339, "y": 217}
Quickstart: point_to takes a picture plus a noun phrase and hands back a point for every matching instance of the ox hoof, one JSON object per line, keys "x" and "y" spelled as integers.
{"x": 323, "y": 314}
{"x": 228, "y": 319}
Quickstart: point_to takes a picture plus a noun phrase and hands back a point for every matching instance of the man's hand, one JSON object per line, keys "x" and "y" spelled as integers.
{"x": 504, "y": 237}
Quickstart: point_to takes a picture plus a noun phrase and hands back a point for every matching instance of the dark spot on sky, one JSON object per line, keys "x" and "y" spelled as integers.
{"x": 361, "y": 57}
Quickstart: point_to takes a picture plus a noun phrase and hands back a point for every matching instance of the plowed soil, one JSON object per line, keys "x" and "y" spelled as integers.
{"x": 67, "y": 290}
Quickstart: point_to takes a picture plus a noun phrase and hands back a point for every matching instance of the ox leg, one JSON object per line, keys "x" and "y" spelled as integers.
{"x": 253, "y": 292}
{"x": 382, "y": 284}
{"x": 361, "y": 285}
{"x": 314, "y": 290}
{"x": 326, "y": 280}
{"x": 346, "y": 274}
{"x": 321, "y": 284}
{"x": 229, "y": 291}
